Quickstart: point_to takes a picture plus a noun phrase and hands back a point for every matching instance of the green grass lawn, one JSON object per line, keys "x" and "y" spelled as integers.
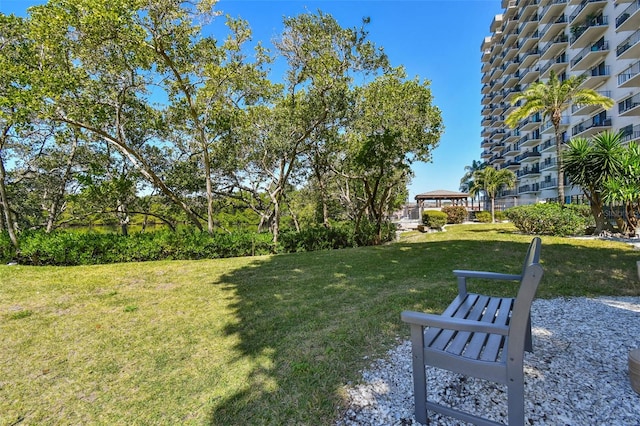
{"x": 264, "y": 340}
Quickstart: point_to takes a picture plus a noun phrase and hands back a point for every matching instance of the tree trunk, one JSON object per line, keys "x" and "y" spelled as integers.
{"x": 556, "y": 124}
{"x": 493, "y": 210}
{"x": 6, "y": 208}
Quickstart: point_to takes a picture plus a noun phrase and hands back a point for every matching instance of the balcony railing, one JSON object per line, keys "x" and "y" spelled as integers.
{"x": 561, "y": 38}
{"x": 629, "y": 73}
{"x": 600, "y": 21}
{"x": 597, "y": 47}
{"x": 579, "y": 9}
{"x": 627, "y": 13}
{"x": 597, "y": 121}
{"x": 549, "y": 163}
{"x": 551, "y": 183}
{"x": 631, "y": 41}
{"x": 629, "y": 103}
{"x": 534, "y": 187}
{"x": 598, "y": 71}
{"x": 630, "y": 133}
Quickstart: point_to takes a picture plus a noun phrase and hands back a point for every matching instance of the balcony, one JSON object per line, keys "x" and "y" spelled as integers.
{"x": 549, "y": 163}
{"x": 547, "y": 127}
{"x": 586, "y": 8}
{"x": 549, "y": 183}
{"x": 556, "y": 65}
{"x": 512, "y": 66}
{"x": 590, "y": 56}
{"x": 529, "y": 156}
{"x": 529, "y": 57}
{"x": 552, "y": 10}
{"x": 629, "y": 48}
{"x": 630, "y": 133}
{"x": 512, "y": 135}
{"x": 592, "y": 126}
{"x": 531, "y": 123}
{"x": 497, "y": 134}
{"x": 550, "y": 145}
{"x": 630, "y": 77}
{"x": 596, "y": 76}
{"x": 630, "y": 106}
{"x": 486, "y": 143}
{"x": 511, "y": 80}
{"x": 555, "y": 46}
{"x": 509, "y": 7}
{"x": 529, "y": 75}
{"x": 486, "y": 155}
{"x": 510, "y": 55}
{"x": 528, "y": 25}
{"x": 577, "y": 109}
{"x": 512, "y": 165}
{"x": 508, "y": 94}
{"x": 592, "y": 29}
{"x": 531, "y": 139}
{"x": 629, "y": 19}
{"x": 534, "y": 187}
{"x": 528, "y": 42}
{"x": 527, "y": 171}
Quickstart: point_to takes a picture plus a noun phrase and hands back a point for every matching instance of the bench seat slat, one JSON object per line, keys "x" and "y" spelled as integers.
{"x": 478, "y": 340}
{"x": 439, "y": 339}
{"x": 495, "y": 343}
{"x": 460, "y": 340}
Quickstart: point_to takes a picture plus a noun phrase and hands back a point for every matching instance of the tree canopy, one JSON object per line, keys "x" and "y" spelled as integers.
{"x": 116, "y": 108}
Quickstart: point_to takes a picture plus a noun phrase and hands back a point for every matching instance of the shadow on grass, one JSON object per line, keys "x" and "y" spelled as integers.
{"x": 306, "y": 323}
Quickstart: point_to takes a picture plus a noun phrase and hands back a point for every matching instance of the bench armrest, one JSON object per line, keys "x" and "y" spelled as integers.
{"x": 448, "y": 323}
{"x": 486, "y": 275}
{"x": 462, "y": 276}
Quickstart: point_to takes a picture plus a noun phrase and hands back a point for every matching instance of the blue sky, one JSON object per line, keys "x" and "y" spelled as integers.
{"x": 438, "y": 40}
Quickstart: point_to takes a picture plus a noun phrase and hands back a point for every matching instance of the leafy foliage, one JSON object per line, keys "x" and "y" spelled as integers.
{"x": 455, "y": 214}
{"x": 551, "y": 219}
{"x": 434, "y": 219}
{"x": 484, "y": 217}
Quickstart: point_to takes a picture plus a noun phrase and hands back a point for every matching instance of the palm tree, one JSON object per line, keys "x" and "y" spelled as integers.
{"x": 466, "y": 182}
{"x": 491, "y": 181}
{"x": 589, "y": 163}
{"x": 552, "y": 99}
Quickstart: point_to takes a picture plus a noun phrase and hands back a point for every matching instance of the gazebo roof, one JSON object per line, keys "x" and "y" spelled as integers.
{"x": 441, "y": 194}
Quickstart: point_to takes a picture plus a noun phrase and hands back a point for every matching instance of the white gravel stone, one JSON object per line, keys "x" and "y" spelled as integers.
{"x": 578, "y": 374}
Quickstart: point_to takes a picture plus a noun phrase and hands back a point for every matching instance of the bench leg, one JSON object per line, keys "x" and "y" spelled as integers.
{"x": 516, "y": 402}
{"x": 528, "y": 342}
{"x": 419, "y": 373}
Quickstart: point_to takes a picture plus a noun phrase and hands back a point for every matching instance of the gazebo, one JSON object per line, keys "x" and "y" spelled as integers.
{"x": 456, "y": 198}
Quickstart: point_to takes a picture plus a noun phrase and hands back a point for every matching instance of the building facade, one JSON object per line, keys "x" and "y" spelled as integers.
{"x": 531, "y": 38}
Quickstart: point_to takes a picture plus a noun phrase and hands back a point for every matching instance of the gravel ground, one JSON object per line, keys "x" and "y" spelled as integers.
{"x": 577, "y": 375}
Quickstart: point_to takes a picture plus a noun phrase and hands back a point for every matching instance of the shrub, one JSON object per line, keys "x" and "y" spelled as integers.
{"x": 455, "y": 214}
{"x": 74, "y": 248}
{"x": 7, "y": 251}
{"x": 484, "y": 217}
{"x": 549, "y": 219}
{"x": 434, "y": 219}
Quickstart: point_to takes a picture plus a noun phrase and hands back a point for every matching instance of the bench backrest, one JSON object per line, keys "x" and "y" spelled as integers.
{"x": 531, "y": 276}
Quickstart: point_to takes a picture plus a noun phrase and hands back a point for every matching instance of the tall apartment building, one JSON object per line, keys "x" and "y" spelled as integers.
{"x": 531, "y": 38}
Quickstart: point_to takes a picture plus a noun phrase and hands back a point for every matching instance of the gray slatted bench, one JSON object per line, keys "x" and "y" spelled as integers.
{"x": 479, "y": 336}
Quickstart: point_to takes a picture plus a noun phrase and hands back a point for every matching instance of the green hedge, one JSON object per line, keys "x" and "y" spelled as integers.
{"x": 69, "y": 248}
{"x": 455, "y": 214}
{"x": 75, "y": 248}
{"x": 434, "y": 219}
{"x": 483, "y": 217}
{"x": 551, "y": 219}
